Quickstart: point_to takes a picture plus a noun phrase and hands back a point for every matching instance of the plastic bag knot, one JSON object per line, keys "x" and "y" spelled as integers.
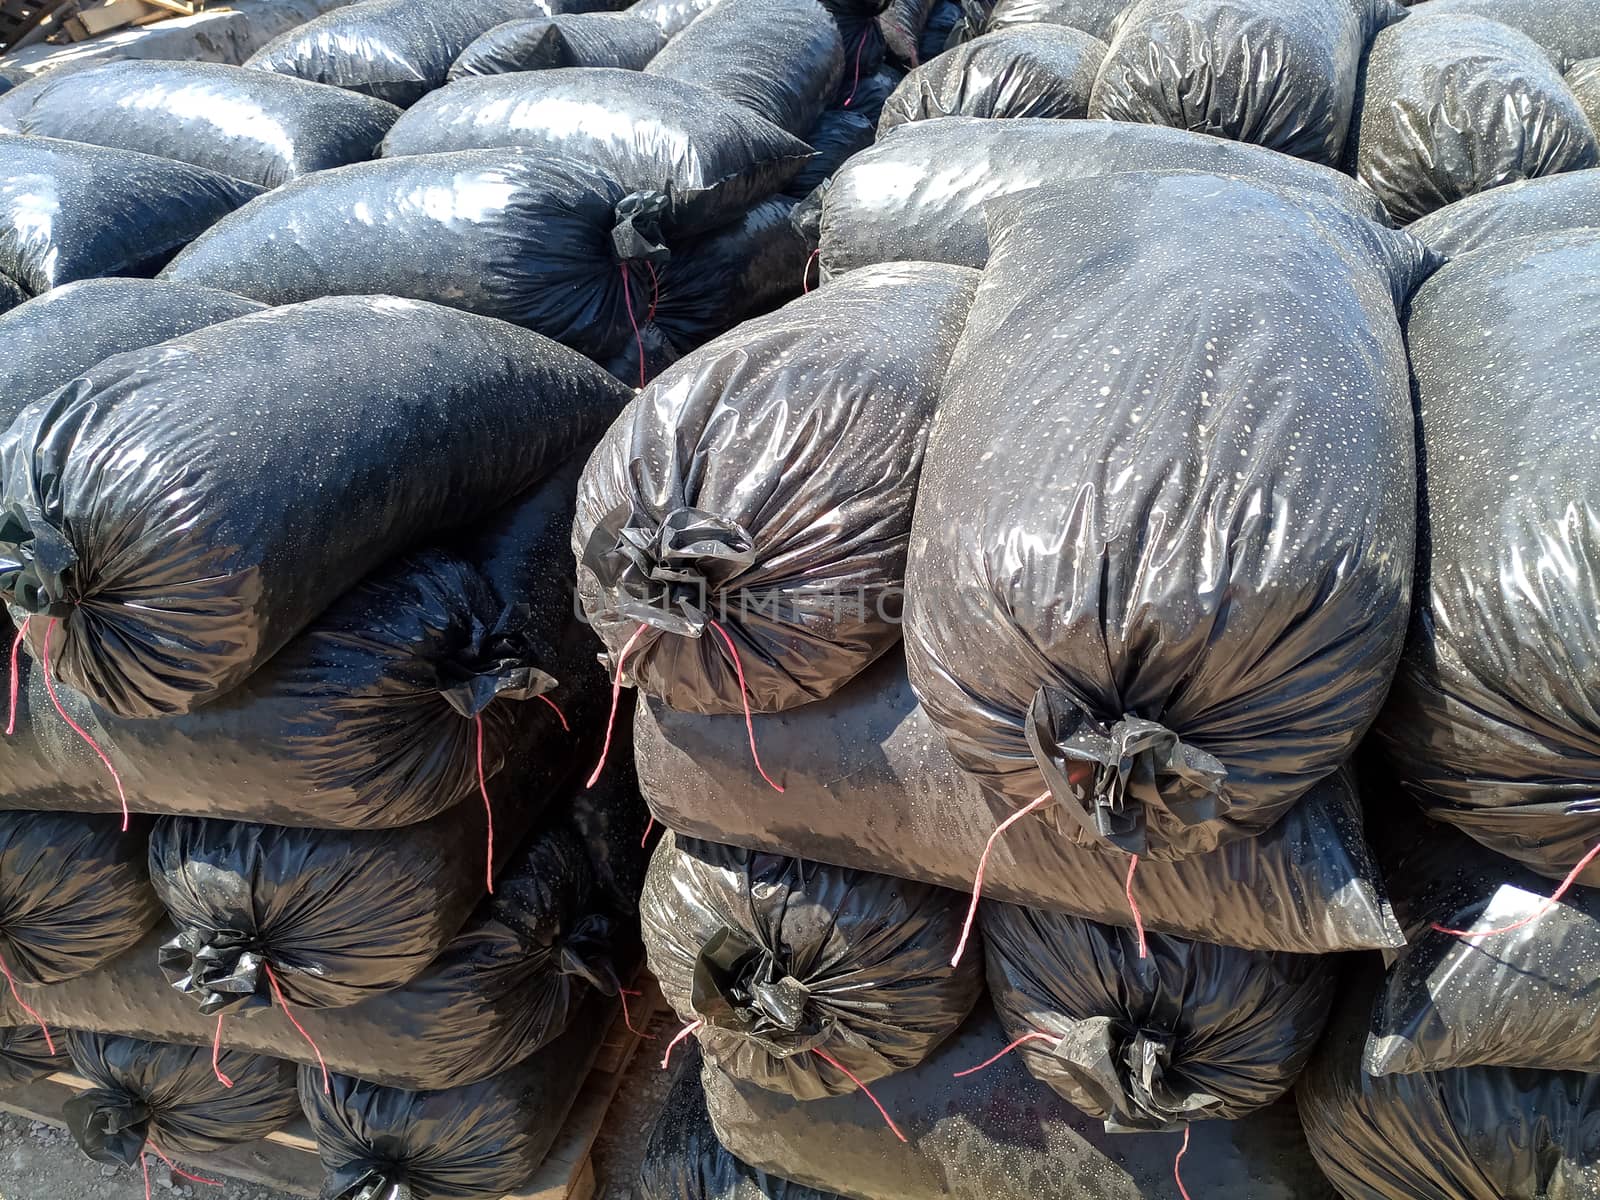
{"x": 36, "y": 566}
{"x": 110, "y": 1125}
{"x": 636, "y": 236}
{"x": 742, "y": 988}
{"x": 663, "y": 573}
{"x": 1130, "y": 1074}
{"x": 219, "y": 970}
{"x": 1137, "y": 765}
{"x": 496, "y": 663}
{"x": 385, "y": 1182}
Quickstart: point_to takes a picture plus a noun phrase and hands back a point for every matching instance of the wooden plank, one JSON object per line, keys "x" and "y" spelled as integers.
{"x": 178, "y": 8}
{"x": 114, "y": 15}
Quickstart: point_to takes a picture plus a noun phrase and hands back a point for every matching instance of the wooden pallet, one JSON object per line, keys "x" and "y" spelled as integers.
{"x": 287, "y": 1160}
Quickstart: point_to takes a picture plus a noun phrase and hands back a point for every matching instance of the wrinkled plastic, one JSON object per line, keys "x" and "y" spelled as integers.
{"x": 369, "y": 717}
{"x": 147, "y": 1096}
{"x": 803, "y": 975}
{"x": 866, "y": 93}
{"x": 1187, "y": 1032}
{"x": 395, "y": 50}
{"x": 74, "y": 893}
{"x": 1568, "y": 29}
{"x": 838, "y": 135}
{"x": 371, "y": 460}
{"x": 11, "y": 294}
{"x": 1456, "y": 104}
{"x": 1522, "y": 998}
{"x": 684, "y": 1161}
{"x": 939, "y": 31}
{"x": 505, "y": 986}
{"x": 760, "y": 493}
{"x": 564, "y": 40}
{"x": 781, "y": 59}
{"x": 1000, "y": 1135}
{"x": 869, "y": 784}
{"x": 1492, "y": 723}
{"x": 265, "y": 129}
{"x": 70, "y": 211}
{"x": 713, "y": 156}
{"x": 1479, "y": 1133}
{"x": 1584, "y": 80}
{"x": 614, "y": 825}
{"x": 25, "y": 1056}
{"x": 901, "y": 25}
{"x": 530, "y": 238}
{"x": 1182, "y": 688}
{"x": 476, "y": 1142}
{"x": 65, "y": 332}
{"x": 1094, "y": 17}
{"x": 1275, "y": 73}
{"x": 919, "y": 194}
{"x": 1038, "y": 71}
{"x": 1554, "y": 204}
{"x": 672, "y": 17}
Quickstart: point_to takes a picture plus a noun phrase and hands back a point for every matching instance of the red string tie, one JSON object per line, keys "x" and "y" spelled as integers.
{"x": 865, "y": 1090}
{"x": 1555, "y": 898}
{"x": 983, "y": 866}
{"x": 277, "y": 994}
{"x": 616, "y": 700}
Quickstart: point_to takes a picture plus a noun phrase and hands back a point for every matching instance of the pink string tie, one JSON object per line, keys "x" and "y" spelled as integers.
{"x": 1177, "y": 1165}
{"x": 983, "y": 866}
{"x": 1133, "y": 907}
{"x": 216, "y": 1055}
{"x": 865, "y": 1090}
{"x": 1035, "y": 1036}
{"x": 1544, "y": 909}
{"x": 488, "y": 808}
{"x": 744, "y": 697}
{"x": 277, "y": 993}
{"x": 616, "y": 701}
{"x": 684, "y": 1035}
{"x": 16, "y": 674}
{"x": 16, "y": 995}
{"x": 50, "y": 687}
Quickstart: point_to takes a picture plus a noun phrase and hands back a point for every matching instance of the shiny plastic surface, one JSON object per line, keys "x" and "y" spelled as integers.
{"x": 474, "y": 1142}
{"x": 1170, "y": 590}
{"x": 1094, "y": 17}
{"x": 70, "y": 329}
{"x": 787, "y": 964}
{"x": 1478, "y": 1133}
{"x": 869, "y": 784}
{"x": 1192, "y": 1032}
{"x": 11, "y": 294}
{"x": 781, "y": 59}
{"x": 1553, "y": 204}
{"x": 838, "y": 135}
{"x": 1584, "y": 80}
{"x": 70, "y": 211}
{"x": 302, "y": 472}
{"x": 672, "y": 17}
{"x": 74, "y": 893}
{"x": 25, "y": 1055}
{"x": 761, "y": 490}
{"x": 1000, "y": 1135}
{"x": 150, "y": 1094}
{"x": 1275, "y": 73}
{"x": 395, "y": 50}
{"x": 650, "y": 133}
{"x": 919, "y": 194}
{"x": 1035, "y": 71}
{"x": 534, "y": 239}
{"x": 901, "y": 25}
{"x": 1493, "y": 720}
{"x": 1568, "y": 29}
{"x": 1456, "y": 104}
{"x": 564, "y": 40}
{"x": 262, "y": 128}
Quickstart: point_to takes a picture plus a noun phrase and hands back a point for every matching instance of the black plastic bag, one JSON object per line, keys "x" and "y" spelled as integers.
{"x": 870, "y": 785}
{"x": 684, "y": 1161}
{"x": 369, "y": 717}
{"x": 505, "y": 986}
{"x": 70, "y": 211}
{"x": 839, "y": 134}
{"x": 781, "y": 59}
{"x": 262, "y": 128}
{"x": 1038, "y": 71}
{"x": 1584, "y": 80}
{"x": 74, "y": 893}
{"x": 1568, "y": 29}
{"x": 1553, "y": 204}
{"x": 1455, "y": 104}
{"x": 150, "y": 1097}
{"x": 66, "y": 331}
{"x": 1520, "y": 997}
{"x": 672, "y": 17}
{"x": 901, "y": 24}
{"x": 1165, "y": 693}
{"x": 1478, "y": 1133}
{"x": 741, "y": 530}
{"x": 564, "y": 40}
{"x": 1152, "y": 1041}
{"x": 1000, "y": 1135}
{"x": 1276, "y": 73}
{"x": 918, "y": 195}
{"x": 475, "y": 1142}
{"x": 535, "y": 239}
{"x": 11, "y": 294}
{"x": 26, "y": 1055}
{"x": 799, "y": 977}
{"x": 395, "y": 50}
{"x": 310, "y": 452}
{"x": 938, "y": 32}
{"x": 1096, "y": 17}
{"x": 714, "y": 157}
{"x": 1492, "y": 723}
{"x": 866, "y": 95}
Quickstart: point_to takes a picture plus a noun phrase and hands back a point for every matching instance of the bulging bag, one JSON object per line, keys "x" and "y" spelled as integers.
{"x": 1152, "y": 1037}
{"x": 28, "y": 1053}
{"x": 565, "y": 40}
{"x": 1567, "y": 29}
{"x": 741, "y": 530}
{"x": 11, "y": 294}
{"x": 1553, "y": 204}
{"x": 1455, "y": 104}
{"x": 1095, "y": 17}
{"x": 672, "y": 17}
{"x": 713, "y": 156}
{"x": 300, "y": 475}
{"x": 1492, "y": 722}
{"x": 1584, "y": 80}
{"x": 70, "y": 211}
{"x": 1166, "y": 693}
{"x": 265, "y": 129}
{"x": 1041, "y": 71}
{"x": 799, "y": 977}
